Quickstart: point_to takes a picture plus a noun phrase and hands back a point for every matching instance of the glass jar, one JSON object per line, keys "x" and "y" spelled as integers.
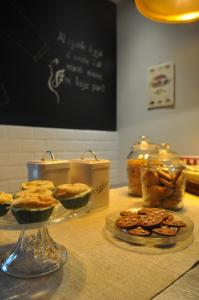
{"x": 135, "y": 160}
{"x": 164, "y": 179}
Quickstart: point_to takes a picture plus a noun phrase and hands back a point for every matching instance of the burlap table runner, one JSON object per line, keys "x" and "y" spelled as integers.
{"x": 96, "y": 268}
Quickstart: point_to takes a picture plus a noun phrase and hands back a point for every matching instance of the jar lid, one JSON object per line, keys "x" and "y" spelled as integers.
{"x": 89, "y": 159}
{"x": 163, "y": 154}
{"x": 91, "y": 163}
{"x": 143, "y": 144}
{"x": 49, "y": 163}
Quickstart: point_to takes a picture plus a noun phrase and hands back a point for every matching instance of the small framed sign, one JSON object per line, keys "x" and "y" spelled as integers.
{"x": 161, "y": 86}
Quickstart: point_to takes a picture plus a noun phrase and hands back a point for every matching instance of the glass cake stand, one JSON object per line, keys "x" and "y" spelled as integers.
{"x": 36, "y": 253}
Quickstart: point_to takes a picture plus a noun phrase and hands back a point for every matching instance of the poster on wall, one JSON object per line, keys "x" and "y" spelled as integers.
{"x": 161, "y": 86}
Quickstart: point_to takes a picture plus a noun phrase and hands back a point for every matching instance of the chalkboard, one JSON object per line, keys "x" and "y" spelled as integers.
{"x": 58, "y": 63}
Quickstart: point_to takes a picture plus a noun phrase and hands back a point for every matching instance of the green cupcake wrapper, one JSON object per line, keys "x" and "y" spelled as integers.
{"x": 76, "y": 202}
{"x": 25, "y": 216}
{"x": 4, "y": 208}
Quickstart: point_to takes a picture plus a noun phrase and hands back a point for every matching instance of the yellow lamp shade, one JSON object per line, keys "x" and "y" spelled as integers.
{"x": 169, "y": 11}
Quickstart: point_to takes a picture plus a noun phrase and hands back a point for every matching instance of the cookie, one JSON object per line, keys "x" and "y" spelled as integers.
{"x": 127, "y": 222}
{"x": 167, "y": 183}
{"x": 150, "y": 178}
{"x": 127, "y": 213}
{"x": 153, "y": 211}
{"x": 139, "y": 231}
{"x": 158, "y": 191}
{"x": 165, "y": 175}
{"x": 169, "y": 217}
{"x": 148, "y": 210}
{"x": 175, "y": 223}
{"x": 166, "y": 231}
{"x": 150, "y": 221}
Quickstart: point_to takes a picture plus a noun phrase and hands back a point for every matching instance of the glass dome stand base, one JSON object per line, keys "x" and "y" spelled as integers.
{"x": 35, "y": 254}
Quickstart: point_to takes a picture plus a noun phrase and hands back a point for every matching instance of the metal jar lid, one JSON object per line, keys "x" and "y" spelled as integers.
{"x": 50, "y": 163}
{"x": 92, "y": 161}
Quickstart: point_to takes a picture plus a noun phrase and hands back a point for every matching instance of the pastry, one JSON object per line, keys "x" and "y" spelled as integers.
{"x": 36, "y": 190}
{"x": 31, "y": 208}
{"x": 72, "y": 195}
{"x": 37, "y": 184}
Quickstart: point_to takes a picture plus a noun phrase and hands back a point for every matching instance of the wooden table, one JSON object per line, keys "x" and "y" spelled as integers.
{"x": 96, "y": 269}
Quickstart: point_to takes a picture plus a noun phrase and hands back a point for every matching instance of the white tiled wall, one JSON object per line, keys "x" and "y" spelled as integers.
{"x": 20, "y": 144}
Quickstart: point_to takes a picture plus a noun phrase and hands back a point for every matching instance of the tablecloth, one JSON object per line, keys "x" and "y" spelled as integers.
{"x": 97, "y": 269}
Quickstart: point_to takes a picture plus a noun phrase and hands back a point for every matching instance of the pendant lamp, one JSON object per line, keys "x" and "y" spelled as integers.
{"x": 169, "y": 11}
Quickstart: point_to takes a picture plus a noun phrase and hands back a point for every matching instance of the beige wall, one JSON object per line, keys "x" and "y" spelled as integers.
{"x": 142, "y": 43}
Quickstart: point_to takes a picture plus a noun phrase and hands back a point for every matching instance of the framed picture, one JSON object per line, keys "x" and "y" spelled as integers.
{"x": 161, "y": 86}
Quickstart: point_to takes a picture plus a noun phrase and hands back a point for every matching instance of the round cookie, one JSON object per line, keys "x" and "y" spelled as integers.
{"x": 127, "y": 222}
{"x": 169, "y": 217}
{"x": 139, "y": 231}
{"x": 153, "y": 211}
{"x": 166, "y": 231}
{"x": 175, "y": 223}
{"x": 150, "y": 221}
{"x": 126, "y": 213}
{"x": 148, "y": 210}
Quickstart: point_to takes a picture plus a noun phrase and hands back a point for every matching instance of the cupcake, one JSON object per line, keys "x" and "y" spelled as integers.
{"x": 31, "y": 208}
{"x": 72, "y": 195}
{"x": 46, "y": 184}
{"x": 5, "y": 201}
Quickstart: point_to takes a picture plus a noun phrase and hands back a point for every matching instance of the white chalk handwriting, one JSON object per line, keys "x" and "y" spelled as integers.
{"x": 82, "y": 66}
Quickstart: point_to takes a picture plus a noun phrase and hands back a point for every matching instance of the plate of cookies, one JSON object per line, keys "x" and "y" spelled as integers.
{"x": 153, "y": 228}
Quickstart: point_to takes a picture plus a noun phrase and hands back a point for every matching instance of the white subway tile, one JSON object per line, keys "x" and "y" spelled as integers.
{"x": 69, "y": 134}
{"x": 45, "y": 133}
{"x": 4, "y": 187}
{"x": 4, "y": 159}
{"x": 33, "y": 146}
{"x": 66, "y": 134}
{"x": 19, "y": 132}
{"x": 15, "y": 185}
{"x": 12, "y": 172}
{"x": 56, "y": 146}
{"x": 3, "y": 131}
{"x": 20, "y": 158}
{"x": 12, "y": 145}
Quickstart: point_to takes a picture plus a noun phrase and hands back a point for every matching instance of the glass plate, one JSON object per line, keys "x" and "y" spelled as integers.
{"x": 59, "y": 215}
{"x": 154, "y": 243}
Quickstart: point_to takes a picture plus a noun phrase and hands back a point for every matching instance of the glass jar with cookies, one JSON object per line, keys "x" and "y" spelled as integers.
{"x": 164, "y": 179}
{"x": 135, "y": 160}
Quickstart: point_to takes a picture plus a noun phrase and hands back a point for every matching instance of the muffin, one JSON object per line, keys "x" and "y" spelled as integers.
{"x": 5, "y": 201}
{"x": 46, "y": 184}
{"x": 31, "y": 208}
{"x": 72, "y": 195}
